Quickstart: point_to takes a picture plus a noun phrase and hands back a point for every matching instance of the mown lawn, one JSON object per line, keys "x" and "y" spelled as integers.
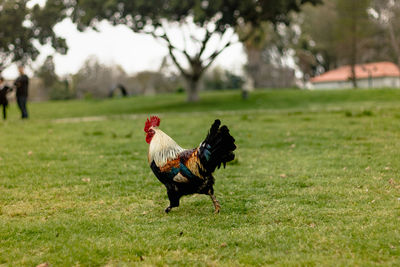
{"x": 316, "y": 182}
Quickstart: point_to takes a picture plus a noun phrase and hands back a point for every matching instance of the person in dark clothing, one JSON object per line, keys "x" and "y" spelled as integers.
{"x": 22, "y": 84}
{"x": 4, "y": 89}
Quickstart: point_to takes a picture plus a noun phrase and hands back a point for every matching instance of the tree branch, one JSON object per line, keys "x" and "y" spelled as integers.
{"x": 181, "y": 69}
{"x": 4, "y": 61}
{"x": 195, "y": 39}
{"x": 204, "y": 44}
{"x": 184, "y": 38}
{"x": 211, "y": 58}
{"x": 184, "y": 52}
{"x": 171, "y": 49}
{"x": 195, "y": 62}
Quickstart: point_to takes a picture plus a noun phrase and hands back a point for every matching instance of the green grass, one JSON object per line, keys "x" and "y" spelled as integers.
{"x": 271, "y": 101}
{"x": 316, "y": 182}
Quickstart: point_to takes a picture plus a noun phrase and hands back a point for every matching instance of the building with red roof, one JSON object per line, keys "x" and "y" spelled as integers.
{"x": 371, "y": 75}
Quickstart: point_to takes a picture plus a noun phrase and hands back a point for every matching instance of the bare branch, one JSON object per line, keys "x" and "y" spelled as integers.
{"x": 171, "y": 49}
{"x": 181, "y": 69}
{"x": 171, "y": 46}
{"x": 211, "y": 58}
{"x": 204, "y": 43}
{"x": 184, "y": 38}
{"x": 196, "y": 61}
{"x": 195, "y": 39}
{"x": 5, "y": 61}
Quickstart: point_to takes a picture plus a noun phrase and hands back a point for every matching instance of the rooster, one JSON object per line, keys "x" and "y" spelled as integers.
{"x": 188, "y": 171}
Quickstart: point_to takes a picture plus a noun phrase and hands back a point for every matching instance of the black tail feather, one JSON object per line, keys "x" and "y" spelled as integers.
{"x": 217, "y": 148}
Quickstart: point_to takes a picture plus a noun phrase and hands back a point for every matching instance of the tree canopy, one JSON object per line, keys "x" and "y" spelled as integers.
{"x": 217, "y": 19}
{"x": 388, "y": 19}
{"x": 340, "y": 32}
{"x": 23, "y": 28}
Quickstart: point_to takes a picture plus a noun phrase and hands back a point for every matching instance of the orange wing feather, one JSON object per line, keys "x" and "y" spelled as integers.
{"x": 193, "y": 164}
{"x": 191, "y": 161}
{"x": 169, "y": 165}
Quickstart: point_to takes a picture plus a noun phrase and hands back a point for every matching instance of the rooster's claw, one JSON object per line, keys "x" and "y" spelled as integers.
{"x": 217, "y": 209}
{"x": 168, "y": 209}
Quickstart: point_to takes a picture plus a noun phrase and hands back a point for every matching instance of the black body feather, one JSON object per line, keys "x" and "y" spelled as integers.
{"x": 217, "y": 148}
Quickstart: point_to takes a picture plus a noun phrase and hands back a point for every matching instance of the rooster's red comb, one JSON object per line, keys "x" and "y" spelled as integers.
{"x": 154, "y": 121}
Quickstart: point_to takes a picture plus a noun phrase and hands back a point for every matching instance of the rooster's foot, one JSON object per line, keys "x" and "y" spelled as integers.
{"x": 217, "y": 206}
{"x": 168, "y": 209}
{"x": 217, "y": 209}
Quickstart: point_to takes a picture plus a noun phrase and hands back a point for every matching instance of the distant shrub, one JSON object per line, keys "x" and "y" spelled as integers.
{"x": 348, "y": 113}
{"x": 88, "y": 95}
{"x": 367, "y": 113}
{"x": 219, "y": 79}
{"x": 180, "y": 90}
{"x": 359, "y": 114}
{"x": 60, "y": 91}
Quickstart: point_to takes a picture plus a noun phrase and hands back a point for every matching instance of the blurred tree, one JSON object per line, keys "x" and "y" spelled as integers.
{"x": 47, "y": 73}
{"x": 214, "y": 79}
{"x": 268, "y": 51}
{"x": 318, "y": 42}
{"x": 97, "y": 80}
{"x": 233, "y": 81}
{"x": 336, "y": 33}
{"x": 215, "y": 19}
{"x": 23, "y": 28}
{"x": 388, "y": 17}
{"x": 52, "y": 86}
{"x": 305, "y": 59}
{"x": 60, "y": 90}
{"x": 218, "y": 79}
{"x": 353, "y": 25}
{"x": 150, "y": 82}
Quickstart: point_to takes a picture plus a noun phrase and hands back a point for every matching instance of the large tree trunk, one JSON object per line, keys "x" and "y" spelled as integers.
{"x": 193, "y": 87}
{"x": 254, "y": 62}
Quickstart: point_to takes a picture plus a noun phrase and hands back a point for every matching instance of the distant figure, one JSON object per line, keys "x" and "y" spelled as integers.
{"x": 22, "y": 83}
{"x": 4, "y": 89}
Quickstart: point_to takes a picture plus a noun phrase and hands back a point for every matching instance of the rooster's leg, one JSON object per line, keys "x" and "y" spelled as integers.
{"x": 217, "y": 206}
{"x": 173, "y": 201}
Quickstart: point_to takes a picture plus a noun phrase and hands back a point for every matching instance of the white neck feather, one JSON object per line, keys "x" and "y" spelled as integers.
{"x": 162, "y": 148}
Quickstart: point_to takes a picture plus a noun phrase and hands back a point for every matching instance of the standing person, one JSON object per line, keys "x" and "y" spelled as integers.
{"x": 4, "y": 89}
{"x": 22, "y": 83}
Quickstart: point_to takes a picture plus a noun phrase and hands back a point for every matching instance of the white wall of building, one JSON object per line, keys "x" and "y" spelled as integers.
{"x": 380, "y": 82}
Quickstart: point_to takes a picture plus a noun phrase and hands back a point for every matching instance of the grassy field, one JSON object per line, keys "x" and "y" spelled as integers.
{"x": 316, "y": 182}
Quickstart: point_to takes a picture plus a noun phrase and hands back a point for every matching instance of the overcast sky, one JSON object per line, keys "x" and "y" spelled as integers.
{"x": 118, "y": 45}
